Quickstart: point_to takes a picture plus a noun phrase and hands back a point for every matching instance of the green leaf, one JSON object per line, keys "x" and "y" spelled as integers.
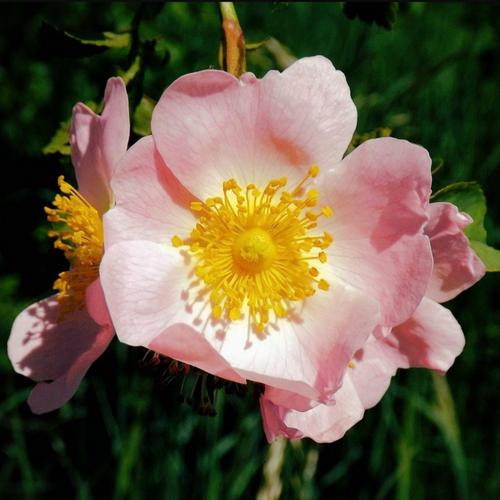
{"x": 128, "y": 75}
{"x": 257, "y": 45}
{"x": 469, "y": 198}
{"x": 60, "y": 141}
{"x": 488, "y": 255}
{"x": 64, "y": 43}
{"x": 142, "y": 116}
{"x": 383, "y": 13}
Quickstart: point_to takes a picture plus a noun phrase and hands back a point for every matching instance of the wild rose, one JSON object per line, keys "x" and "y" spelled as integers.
{"x": 55, "y": 340}
{"x": 243, "y": 244}
{"x": 431, "y": 338}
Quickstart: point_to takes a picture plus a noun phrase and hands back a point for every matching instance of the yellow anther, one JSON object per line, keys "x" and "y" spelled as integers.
{"x": 322, "y": 257}
{"x": 327, "y": 211}
{"x": 279, "y": 310}
{"x": 323, "y": 285}
{"x": 314, "y": 171}
{"x": 312, "y": 193}
{"x": 313, "y": 272}
{"x": 234, "y": 314}
{"x": 201, "y": 271}
{"x": 196, "y": 206}
{"x": 217, "y": 311}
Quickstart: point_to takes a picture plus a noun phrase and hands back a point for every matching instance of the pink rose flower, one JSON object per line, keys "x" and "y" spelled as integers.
{"x": 55, "y": 340}
{"x": 243, "y": 244}
{"x": 431, "y": 338}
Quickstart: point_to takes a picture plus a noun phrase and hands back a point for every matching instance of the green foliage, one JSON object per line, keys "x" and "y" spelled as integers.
{"x": 128, "y": 75}
{"x": 257, "y": 45}
{"x": 60, "y": 142}
{"x": 63, "y": 43}
{"x": 469, "y": 198}
{"x": 142, "y": 116}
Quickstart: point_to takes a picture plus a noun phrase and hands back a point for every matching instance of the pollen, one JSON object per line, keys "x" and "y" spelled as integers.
{"x": 253, "y": 248}
{"x": 78, "y": 230}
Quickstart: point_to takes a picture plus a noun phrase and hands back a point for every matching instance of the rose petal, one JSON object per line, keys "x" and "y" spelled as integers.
{"x": 210, "y": 127}
{"x": 145, "y": 295}
{"x": 456, "y": 266}
{"x": 371, "y": 371}
{"x": 312, "y": 345}
{"x": 98, "y": 142}
{"x": 96, "y": 303}
{"x": 322, "y": 423}
{"x": 379, "y": 198}
{"x": 41, "y": 348}
{"x": 431, "y": 338}
{"x": 151, "y": 204}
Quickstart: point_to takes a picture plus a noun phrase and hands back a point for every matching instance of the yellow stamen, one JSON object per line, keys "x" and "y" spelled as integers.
{"x": 253, "y": 248}
{"x": 78, "y": 229}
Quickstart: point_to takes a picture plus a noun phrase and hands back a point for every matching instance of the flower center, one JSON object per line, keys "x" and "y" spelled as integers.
{"x": 254, "y": 249}
{"x": 78, "y": 229}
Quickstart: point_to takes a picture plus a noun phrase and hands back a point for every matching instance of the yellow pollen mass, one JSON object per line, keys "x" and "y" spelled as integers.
{"x": 78, "y": 230}
{"x": 253, "y": 248}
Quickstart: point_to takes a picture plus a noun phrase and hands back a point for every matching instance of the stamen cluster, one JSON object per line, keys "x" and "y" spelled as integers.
{"x": 254, "y": 250}
{"x": 79, "y": 232}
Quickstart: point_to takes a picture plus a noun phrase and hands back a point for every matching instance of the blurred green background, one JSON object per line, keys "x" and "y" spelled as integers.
{"x": 434, "y": 80}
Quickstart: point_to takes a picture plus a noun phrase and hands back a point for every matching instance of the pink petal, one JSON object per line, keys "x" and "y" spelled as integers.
{"x": 309, "y": 348}
{"x": 431, "y": 338}
{"x": 96, "y": 303}
{"x": 98, "y": 142}
{"x": 379, "y": 198}
{"x": 151, "y": 204}
{"x": 322, "y": 423}
{"x": 210, "y": 127}
{"x": 456, "y": 266}
{"x": 145, "y": 287}
{"x": 42, "y": 349}
{"x": 288, "y": 399}
{"x": 371, "y": 371}
{"x": 150, "y": 295}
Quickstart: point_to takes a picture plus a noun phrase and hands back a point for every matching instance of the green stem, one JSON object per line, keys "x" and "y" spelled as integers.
{"x": 228, "y": 11}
